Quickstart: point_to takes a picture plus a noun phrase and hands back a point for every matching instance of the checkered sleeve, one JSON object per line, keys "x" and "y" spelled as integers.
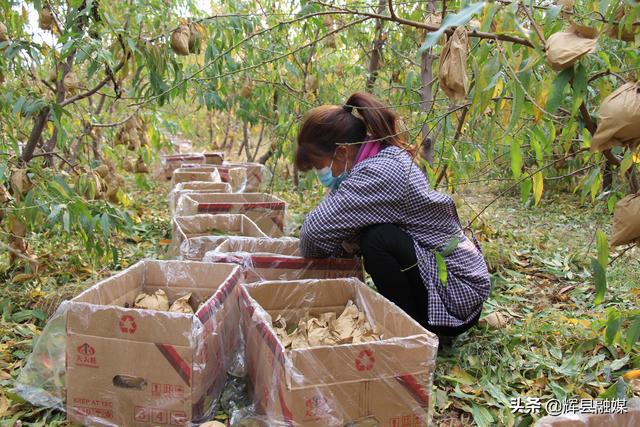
{"x": 372, "y": 194}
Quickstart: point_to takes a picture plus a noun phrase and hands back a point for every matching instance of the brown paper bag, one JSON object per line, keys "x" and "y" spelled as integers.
{"x": 564, "y": 48}
{"x": 453, "y": 65}
{"x": 626, "y": 220}
{"x": 619, "y": 122}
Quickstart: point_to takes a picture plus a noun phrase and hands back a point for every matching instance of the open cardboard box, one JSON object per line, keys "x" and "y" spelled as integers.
{"x": 214, "y": 158}
{"x": 194, "y": 235}
{"x": 195, "y": 174}
{"x": 128, "y": 366}
{"x": 279, "y": 259}
{"x": 387, "y": 382}
{"x": 196, "y": 187}
{"x": 171, "y": 162}
{"x": 266, "y": 210}
{"x": 234, "y": 175}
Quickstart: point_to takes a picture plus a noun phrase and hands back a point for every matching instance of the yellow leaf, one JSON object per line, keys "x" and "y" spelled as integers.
{"x": 462, "y": 376}
{"x": 632, "y": 375}
{"x": 541, "y": 100}
{"x": 636, "y": 157}
{"x": 498, "y": 89}
{"x": 36, "y": 293}
{"x": 4, "y": 406}
{"x": 538, "y": 185}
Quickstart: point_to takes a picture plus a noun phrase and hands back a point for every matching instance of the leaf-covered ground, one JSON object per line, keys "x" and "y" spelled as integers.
{"x": 553, "y": 343}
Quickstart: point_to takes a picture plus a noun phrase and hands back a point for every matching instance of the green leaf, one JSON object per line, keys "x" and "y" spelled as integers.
{"x": 633, "y": 333}
{"x": 481, "y": 416}
{"x": 600, "y": 279}
{"x": 453, "y": 20}
{"x": 516, "y": 159}
{"x": 613, "y": 325}
{"x": 557, "y": 91}
{"x": 451, "y": 246}
{"x": 442, "y": 268}
{"x": 525, "y": 189}
{"x": 603, "y": 248}
{"x": 616, "y": 391}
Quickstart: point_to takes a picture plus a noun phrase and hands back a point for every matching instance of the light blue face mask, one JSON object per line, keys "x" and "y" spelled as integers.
{"x": 326, "y": 178}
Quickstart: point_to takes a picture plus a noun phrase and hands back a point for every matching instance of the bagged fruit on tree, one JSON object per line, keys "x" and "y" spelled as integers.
{"x": 452, "y": 73}
{"x": 621, "y": 30}
{"x": 619, "y": 119}
{"x": 626, "y": 220}
{"x": 564, "y": 48}
{"x": 195, "y": 37}
{"x": 71, "y": 82}
{"x": 3, "y": 33}
{"x": 46, "y": 18}
{"x": 180, "y": 40}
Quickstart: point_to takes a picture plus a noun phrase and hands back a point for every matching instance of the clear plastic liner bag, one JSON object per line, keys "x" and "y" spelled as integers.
{"x": 334, "y": 353}
{"x": 149, "y": 346}
{"x": 195, "y": 187}
{"x": 266, "y": 210}
{"x": 258, "y": 175}
{"x": 41, "y": 380}
{"x": 280, "y": 259}
{"x": 193, "y": 235}
{"x": 195, "y": 174}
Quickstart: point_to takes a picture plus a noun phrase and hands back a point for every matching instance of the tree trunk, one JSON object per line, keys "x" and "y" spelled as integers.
{"x": 255, "y": 153}
{"x": 375, "y": 60}
{"x": 226, "y": 130}
{"x": 426, "y": 77}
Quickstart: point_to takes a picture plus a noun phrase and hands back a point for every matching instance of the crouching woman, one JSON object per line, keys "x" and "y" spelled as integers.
{"x": 380, "y": 203}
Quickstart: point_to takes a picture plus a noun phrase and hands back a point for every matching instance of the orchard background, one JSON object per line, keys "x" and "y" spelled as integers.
{"x": 90, "y": 90}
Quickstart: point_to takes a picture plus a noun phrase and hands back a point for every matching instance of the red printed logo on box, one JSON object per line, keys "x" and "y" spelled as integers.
{"x": 128, "y": 324}
{"x": 317, "y": 407}
{"x": 159, "y": 416}
{"x": 141, "y": 414}
{"x": 178, "y": 418}
{"x": 86, "y": 356}
{"x": 365, "y": 360}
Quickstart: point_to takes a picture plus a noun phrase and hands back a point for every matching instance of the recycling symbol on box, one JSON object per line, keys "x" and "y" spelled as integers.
{"x": 128, "y": 324}
{"x": 365, "y": 360}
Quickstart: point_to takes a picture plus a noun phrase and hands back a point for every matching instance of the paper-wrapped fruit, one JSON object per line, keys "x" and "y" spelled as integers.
{"x": 351, "y": 327}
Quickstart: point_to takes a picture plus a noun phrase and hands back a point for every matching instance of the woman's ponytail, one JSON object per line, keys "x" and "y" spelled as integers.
{"x": 382, "y": 123}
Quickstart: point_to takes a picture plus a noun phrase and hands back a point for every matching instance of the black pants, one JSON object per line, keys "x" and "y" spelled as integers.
{"x": 387, "y": 251}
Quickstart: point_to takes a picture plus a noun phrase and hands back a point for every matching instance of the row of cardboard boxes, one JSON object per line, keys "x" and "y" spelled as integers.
{"x": 126, "y": 366}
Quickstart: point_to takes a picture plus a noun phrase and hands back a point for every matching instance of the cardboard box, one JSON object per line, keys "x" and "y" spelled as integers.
{"x": 387, "y": 382}
{"x": 235, "y": 176}
{"x": 631, "y": 418}
{"x": 195, "y": 187}
{"x": 214, "y": 158}
{"x": 171, "y": 162}
{"x": 258, "y": 176}
{"x": 267, "y": 211}
{"x": 127, "y": 366}
{"x": 191, "y": 174}
{"x": 279, "y": 259}
{"x": 194, "y": 235}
